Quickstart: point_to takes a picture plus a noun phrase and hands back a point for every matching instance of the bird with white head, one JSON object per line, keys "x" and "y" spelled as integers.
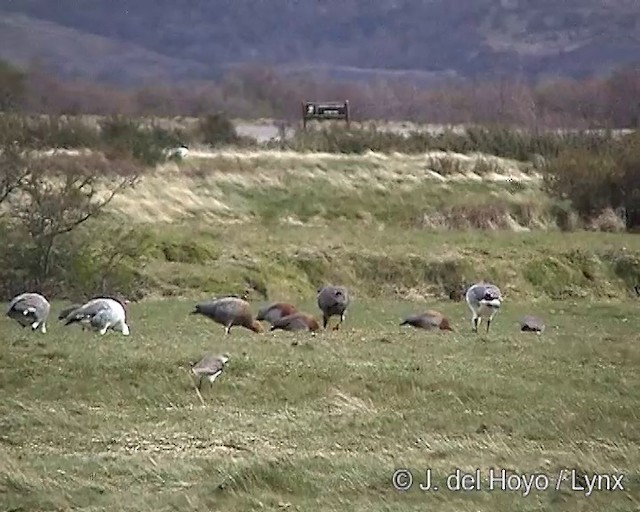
{"x": 484, "y": 301}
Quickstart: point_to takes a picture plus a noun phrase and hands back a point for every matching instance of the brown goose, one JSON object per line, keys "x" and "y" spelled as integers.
{"x": 429, "y": 320}
{"x": 296, "y": 322}
{"x": 229, "y": 311}
{"x": 275, "y": 311}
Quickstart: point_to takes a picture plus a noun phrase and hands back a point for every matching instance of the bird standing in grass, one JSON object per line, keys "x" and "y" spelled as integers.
{"x": 484, "y": 300}
{"x": 428, "y": 320}
{"x": 210, "y": 367}
{"x": 296, "y": 322}
{"x": 229, "y": 311}
{"x": 333, "y": 301}
{"x": 30, "y": 309}
{"x": 275, "y": 311}
{"x": 101, "y": 314}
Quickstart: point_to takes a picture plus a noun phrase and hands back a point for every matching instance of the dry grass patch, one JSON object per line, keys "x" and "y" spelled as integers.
{"x": 269, "y": 185}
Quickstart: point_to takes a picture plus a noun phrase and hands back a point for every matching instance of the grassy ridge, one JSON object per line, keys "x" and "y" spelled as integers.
{"x": 268, "y": 185}
{"x": 293, "y": 260}
{"x": 284, "y": 223}
{"x": 320, "y": 424}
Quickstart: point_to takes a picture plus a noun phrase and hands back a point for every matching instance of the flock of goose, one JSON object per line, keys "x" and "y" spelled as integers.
{"x": 110, "y": 313}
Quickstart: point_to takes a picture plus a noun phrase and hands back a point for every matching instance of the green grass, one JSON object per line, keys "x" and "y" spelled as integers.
{"x": 113, "y": 423}
{"x": 292, "y": 261}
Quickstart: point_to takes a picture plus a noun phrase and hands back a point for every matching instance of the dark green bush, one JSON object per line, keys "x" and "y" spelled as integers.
{"x": 94, "y": 260}
{"x": 127, "y": 137}
{"x": 502, "y": 142}
{"x": 216, "y": 130}
{"x": 596, "y": 178}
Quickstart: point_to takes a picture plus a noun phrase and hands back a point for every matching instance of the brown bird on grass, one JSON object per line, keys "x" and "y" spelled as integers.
{"x": 296, "y": 322}
{"x": 229, "y": 311}
{"x": 275, "y": 311}
{"x": 428, "y": 320}
{"x": 333, "y": 301}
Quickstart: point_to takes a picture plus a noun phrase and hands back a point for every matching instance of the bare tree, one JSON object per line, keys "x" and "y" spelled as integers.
{"x": 60, "y": 193}
{"x": 14, "y": 170}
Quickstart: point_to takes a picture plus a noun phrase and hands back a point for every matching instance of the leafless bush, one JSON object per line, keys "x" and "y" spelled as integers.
{"x": 45, "y": 198}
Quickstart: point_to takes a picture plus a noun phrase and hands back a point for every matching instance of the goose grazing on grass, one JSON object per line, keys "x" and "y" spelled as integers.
{"x": 428, "y": 320}
{"x": 68, "y": 310}
{"x": 30, "y": 309}
{"x": 296, "y": 322}
{"x": 275, "y": 311}
{"x": 484, "y": 300}
{"x": 64, "y": 313}
{"x": 229, "y": 311}
{"x": 333, "y": 301}
{"x": 101, "y": 314}
{"x": 532, "y": 324}
{"x": 210, "y": 367}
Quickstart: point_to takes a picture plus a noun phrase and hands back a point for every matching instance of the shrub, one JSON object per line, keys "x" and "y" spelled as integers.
{"x": 596, "y": 179}
{"x": 517, "y": 144}
{"x": 126, "y": 138}
{"x": 88, "y": 261}
{"x": 588, "y": 180}
{"x": 216, "y": 130}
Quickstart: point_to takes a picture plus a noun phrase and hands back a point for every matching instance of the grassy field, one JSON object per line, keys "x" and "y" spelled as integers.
{"x": 309, "y": 423}
{"x": 321, "y": 423}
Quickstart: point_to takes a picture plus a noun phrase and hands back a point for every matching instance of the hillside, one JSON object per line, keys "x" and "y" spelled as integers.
{"x": 475, "y": 37}
{"x": 72, "y": 53}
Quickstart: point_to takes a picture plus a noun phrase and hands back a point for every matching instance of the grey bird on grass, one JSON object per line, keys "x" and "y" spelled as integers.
{"x": 531, "y": 323}
{"x": 68, "y": 310}
{"x": 229, "y": 311}
{"x": 333, "y": 301}
{"x": 30, "y": 309}
{"x": 65, "y": 312}
{"x": 484, "y": 301}
{"x": 101, "y": 314}
{"x": 210, "y": 367}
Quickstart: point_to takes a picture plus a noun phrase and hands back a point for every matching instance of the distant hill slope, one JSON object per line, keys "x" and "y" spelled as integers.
{"x": 464, "y": 37}
{"x": 71, "y": 53}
